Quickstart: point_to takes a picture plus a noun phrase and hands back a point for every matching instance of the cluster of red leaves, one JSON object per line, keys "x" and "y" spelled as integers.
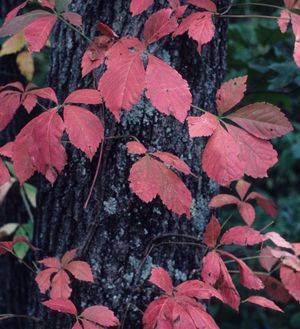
{"x": 287, "y": 16}
{"x": 38, "y": 145}
{"x": 272, "y": 259}
{"x": 30, "y": 23}
{"x": 239, "y": 143}
{"x": 56, "y": 278}
{"x": 178, "y": 307}
{"x": 245, "y": 208}
{"x": 150, "y": 177}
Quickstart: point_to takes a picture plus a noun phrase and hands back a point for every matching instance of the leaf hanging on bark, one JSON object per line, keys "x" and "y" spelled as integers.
{"x": 138, "y": 6}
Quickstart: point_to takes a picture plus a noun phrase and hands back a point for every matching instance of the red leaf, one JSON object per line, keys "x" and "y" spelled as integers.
{"x": 9, "y": 103}
{"x": 267, "y": 205}
{"x": 227, "y": 289}
{"x": 46, "y": 93}
{"x": 263, "y": 120}
{"x": 247, "y": 278}
{"x": 4, "y": 174}
{"x": 106, "y": 30}
{"x": 296, "y": 247}
{"x": 89, "y": 325}
{"x": 158, "y": 25}
{"x": 94, "y": 56}
{"x": 231, "y": 93}
{"x": 174, "y": 3}
{"x": 242, "y": 236}
{"x": 100, "y": 315}
{"x": 197, "y": 289}
{"x": 199, "y": 26}
{"x": 201, "y": 318}
{"x": 46, "y": 3}
{"x": 162, "y": 280}
{"x": 77, "y": 325}
{"x": 278, "y": 240}
{"x": 84, "y": 96}
{"x": 13, "y": 13}
{"x": 43, "y": 279}
{"x": 222, "y": 200}
{"x": 242, "y": 187}
{"x": 202, "y": 126}
{"x": 173, "y": 161}
{"x": 284, "y": 20}
{"x": 73, "y": 18}
{"x": 45, "y": 149}
{"x": 291, "y": 281}
{"x": 84, "y": 128}
{"x": 136, "y": 148}
{"x": 167, "y": 90}
{"x": 19, "y": 23}
{"x": 138, "y": 6}
{"x": 68, "y": 256}
{"x": 81, "y": 271}
{"x": 60, "y": 286}
{"x": 61, "y": 305}
{"x": 275, "y": 289}
{"x": 212, "y": 232}
{"x": 51, "y": 262}
{"x": 220, "y": 158}
{"x": 264, "y": 302}
{"x": 257, "y": 155}
{"x": 286, "y": 258}
{"x": 38, "y": 32}
{"x": 266, "y": 259}
{"x": 204, "y": 4}
{"x": 247, "y": 212}
{"x": 296, "y": 30}
{"x": 122, "y": 84}
{"x": 6, "y": 150}
{"x": 149, "y": 178}
{"x": 211, "y": 270}
{"x": 180, "y": 11}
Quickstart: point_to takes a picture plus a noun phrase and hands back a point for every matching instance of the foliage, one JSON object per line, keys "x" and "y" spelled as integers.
{"x": 239, "y": 145}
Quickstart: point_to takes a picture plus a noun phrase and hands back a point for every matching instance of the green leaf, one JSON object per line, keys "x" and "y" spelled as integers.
{"x": 25, "y": 230}
{"x": 30, "y": 192}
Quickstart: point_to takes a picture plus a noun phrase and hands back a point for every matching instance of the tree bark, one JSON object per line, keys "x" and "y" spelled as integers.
{"x": 115, "y": 231}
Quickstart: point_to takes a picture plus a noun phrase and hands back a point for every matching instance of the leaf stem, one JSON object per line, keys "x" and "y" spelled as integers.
{"x": 198, "y": 108}
{"x": 74, "y": 29}
{"x": 253, "y": 16}
{"x": 266, "y": 5}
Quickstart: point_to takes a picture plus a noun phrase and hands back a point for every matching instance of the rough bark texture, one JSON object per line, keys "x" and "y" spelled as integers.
{"x": 13, "y": 276}
{"x": 113, "y": 233}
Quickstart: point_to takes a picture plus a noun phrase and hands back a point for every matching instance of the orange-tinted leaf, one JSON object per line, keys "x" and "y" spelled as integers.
{"x": 62, "y": 305}
{"x": 101, "y": 315}
{"x": 38, "y": 32}
{"x": 199, "y": 26}
{"x": 138, "y": 6}
{"x": 242, "y": 236}
{"x": 149, "y": 178}
{"x": 158, "y": 25}
{"x": 204, "y": 125}
{"x": 162, "y": 280}
{"x": 212, "y": 232}
{"x": 263, "y": 120}
{"x": 136, "y": 148}
{"x": 173, "y": 161}
{"x": 291, "y": 281}
{"x": 231, "y": 93}
{"x": 220, "y": 158}
{"x": 263, "y": 302}
{"x": 167, "y": 90}
{"x": 81, "y": 270}
{"x": 84, "y": 128}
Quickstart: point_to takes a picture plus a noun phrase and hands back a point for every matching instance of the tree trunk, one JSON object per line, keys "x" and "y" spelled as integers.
{"x": 115, "y": 231}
